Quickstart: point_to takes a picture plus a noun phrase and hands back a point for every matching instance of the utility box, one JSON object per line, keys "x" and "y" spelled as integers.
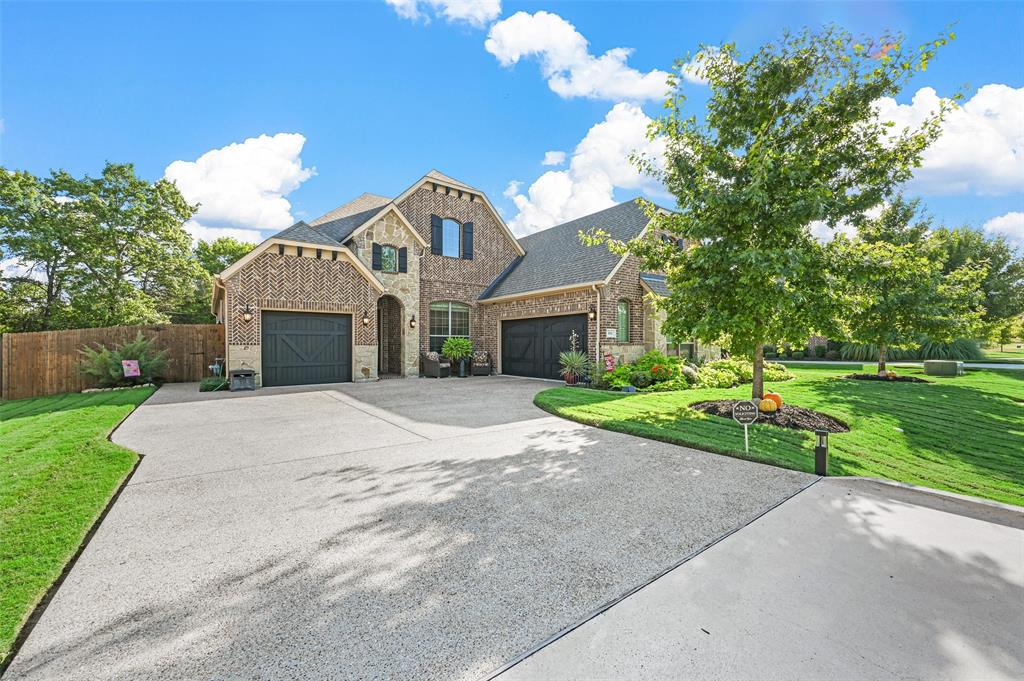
{"x": 943, "y": 367}
{"x": 242, "y": 379}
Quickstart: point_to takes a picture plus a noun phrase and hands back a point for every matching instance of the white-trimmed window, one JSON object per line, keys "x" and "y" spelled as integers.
{"x": 451, "y": 238}
{"x": 447, "y": 319}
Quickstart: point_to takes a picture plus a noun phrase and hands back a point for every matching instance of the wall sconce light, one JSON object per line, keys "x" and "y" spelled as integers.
{"x": 592, "y": 313}
{"x": 412, "y": 322}
{"x": 366, "y": 318}
{"x": 248, "y": 314}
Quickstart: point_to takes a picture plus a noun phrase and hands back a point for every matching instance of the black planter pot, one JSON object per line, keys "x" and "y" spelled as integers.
{"x": 462, "y": 368}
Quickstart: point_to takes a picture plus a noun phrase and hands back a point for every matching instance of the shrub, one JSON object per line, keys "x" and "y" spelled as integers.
{"x": 661, "y": 372}
{"x": 677, "y": 382}
{"x": 456, "y": 348}
{"x": 832, "y": 354}
{"x": 819, "y": 351}
{"x": 713, "y": 377}
{"x": 689, "y": 372}
{"x": 866, "y": 352}
{"x": 962, "y": 349}
{"x": 797, "y": 355}
{"x": 743, "y": 369}
{"x": 770, "y": 355}
{"x": 104, "y": 364}
{"x": 212, "y": 383}
{"x": 641, "y": 379}
{"x": 776, "y": 372}
{"x": 619, "y": 376}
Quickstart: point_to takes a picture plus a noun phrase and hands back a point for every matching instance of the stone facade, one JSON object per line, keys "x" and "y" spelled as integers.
{"x": 305, "y": 283}
{"x": 389, "y": 230}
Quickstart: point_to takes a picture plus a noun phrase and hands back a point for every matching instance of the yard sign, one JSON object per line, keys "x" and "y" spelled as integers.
{"x": 745, "y": 413}
{"x": 130, "y": 368}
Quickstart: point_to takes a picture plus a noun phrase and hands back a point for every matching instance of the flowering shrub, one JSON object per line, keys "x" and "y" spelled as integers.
{"x": 654, "y": 372}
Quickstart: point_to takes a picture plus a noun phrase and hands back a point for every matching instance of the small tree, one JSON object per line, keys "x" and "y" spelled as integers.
{"x": 791, "y": 137}
{"x": 896, "y": 293}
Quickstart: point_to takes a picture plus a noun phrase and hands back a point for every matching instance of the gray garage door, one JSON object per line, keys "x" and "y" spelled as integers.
{"x": 530, "y": 347}
{"x": 301, "y": 348}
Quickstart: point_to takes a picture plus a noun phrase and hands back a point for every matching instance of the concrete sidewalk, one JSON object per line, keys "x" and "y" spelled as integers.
{"x": 850, "y": 579}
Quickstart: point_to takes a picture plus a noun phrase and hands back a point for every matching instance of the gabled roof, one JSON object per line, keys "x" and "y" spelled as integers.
{"x": 555, "y": 258}
{"x": 655, "y": 283}
{"x": 339, "y": 223}
{"x": 303, "y": 233}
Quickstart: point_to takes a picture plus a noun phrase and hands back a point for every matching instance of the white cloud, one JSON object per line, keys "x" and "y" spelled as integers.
{"x": 241, "y": 188}
{"x": 512, "y": 189}
{"x": 200, "y": 231}
{"x": 1010, "y": 225}
{"x": 821, "y": 231}
{"x": 599, "y": 165}
{"x": 474, "y": 12}
{"x": 566, "y": 62}
{"x": 553, "y": 158}
{"x": 981, "y": 150}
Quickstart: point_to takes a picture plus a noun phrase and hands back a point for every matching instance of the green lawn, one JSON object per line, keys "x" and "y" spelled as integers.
{"x": 963, "y": 434}
{"x": 57, "y": 473}
{"x": 1011, "y": 355}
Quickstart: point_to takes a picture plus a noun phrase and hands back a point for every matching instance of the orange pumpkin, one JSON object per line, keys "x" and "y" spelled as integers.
{"x": 775, "y": 397}
{"x": 768, "y": 405}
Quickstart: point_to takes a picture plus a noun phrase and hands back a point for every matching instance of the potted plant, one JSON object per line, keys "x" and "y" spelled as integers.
{"x": 574, "y": 364}
{"x": 458, "y": 350}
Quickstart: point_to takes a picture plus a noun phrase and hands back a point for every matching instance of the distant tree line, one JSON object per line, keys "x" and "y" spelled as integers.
{"x": 102, "y": 251}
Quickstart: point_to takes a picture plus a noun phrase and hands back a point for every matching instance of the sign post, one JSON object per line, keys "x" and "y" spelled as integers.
{"x": 745, "y": 413}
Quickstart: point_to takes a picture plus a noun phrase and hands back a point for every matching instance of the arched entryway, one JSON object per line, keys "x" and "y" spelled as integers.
{"x": 389, "y": 337}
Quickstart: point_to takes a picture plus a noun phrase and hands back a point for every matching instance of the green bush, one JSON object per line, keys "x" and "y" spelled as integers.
{"x": 866, "y": 352}
{"x": 641, "y": 379}
{"x": 819, "y": 351}
{"x": 456, "y": 348}
{"x": 104, "y": 364}
{"x": 213, "y": 383}
{"x": 797, "y": 355}
{"x": 713, "y": 377}
{"x": 776, "y": 372}
{"x": 689, "y": 373}
{"x": 962, "y": 349}
{"x": 832, "y": 354}
{"x": 677, "y": 382}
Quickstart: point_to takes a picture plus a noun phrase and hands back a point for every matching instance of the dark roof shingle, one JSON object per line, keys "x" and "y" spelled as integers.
{"x": 555, "y": 257}
{"x": 656, "y": 282}
{"x": 302, "y": 232}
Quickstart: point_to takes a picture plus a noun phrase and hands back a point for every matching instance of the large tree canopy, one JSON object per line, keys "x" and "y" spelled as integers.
{"x": 93, "y": 251}
{"x": 790, "y": 138}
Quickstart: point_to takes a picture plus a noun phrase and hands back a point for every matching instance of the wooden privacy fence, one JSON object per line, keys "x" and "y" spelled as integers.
{"x": 46, "y": 362}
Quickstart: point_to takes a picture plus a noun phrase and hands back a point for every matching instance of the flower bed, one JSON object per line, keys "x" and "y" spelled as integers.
{"x": 654, "y": 372}
{"x": 877, "y": 377}
{"x": 788, "y": 416}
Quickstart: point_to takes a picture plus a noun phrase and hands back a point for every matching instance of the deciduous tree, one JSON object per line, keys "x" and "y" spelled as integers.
{"x": 790, "y": 137}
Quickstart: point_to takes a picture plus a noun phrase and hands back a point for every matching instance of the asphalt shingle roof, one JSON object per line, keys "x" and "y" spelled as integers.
{"x": 339, "y": 223}
{"x": 656, "y": 282}
{"x": 302, "y": 232}
{"x": 555, "y": 257}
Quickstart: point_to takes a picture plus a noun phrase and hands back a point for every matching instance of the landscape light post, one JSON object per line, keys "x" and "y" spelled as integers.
{"x": 821, "y": 453}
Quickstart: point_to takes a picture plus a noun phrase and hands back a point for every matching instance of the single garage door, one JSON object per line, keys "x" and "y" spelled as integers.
{"x": 530, "y": 347}
{"x": 301, "y": 348}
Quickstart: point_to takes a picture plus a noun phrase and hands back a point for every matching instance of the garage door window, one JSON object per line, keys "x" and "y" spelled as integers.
{"x": 446, "y": 320}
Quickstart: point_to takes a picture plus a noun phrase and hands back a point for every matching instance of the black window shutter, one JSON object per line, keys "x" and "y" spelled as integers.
{"x": 467, "y": 241}
{"x": 376, "y": 257}
{"x": 680, "y": 244}
{"x": 435, "y": 235}
{"x": 403, "y": 259}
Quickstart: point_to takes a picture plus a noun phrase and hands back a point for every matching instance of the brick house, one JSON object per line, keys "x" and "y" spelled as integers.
{"x": 360, "y": 292}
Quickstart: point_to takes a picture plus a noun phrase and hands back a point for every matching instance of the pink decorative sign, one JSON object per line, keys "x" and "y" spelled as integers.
{"x": 609, "y": 362}
{"x": 130, "y": 367}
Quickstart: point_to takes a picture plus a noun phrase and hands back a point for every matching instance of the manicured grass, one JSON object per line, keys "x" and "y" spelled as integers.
{"x": 963, "y": 434}
{"x": 57, "y": 473}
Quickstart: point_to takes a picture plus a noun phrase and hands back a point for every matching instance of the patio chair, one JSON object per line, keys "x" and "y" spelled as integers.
{"x": 435, "y": 366}
{"x": 481, "y": 363}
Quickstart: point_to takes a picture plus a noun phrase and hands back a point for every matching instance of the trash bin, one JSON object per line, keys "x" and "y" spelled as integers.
{"x": 242, "y": 379}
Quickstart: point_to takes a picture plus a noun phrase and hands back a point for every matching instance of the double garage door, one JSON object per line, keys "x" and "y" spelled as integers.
{"x": 530, "y": 347}
{"x": 302, "y": 348}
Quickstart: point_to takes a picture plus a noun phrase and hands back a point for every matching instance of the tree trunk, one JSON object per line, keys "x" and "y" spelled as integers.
{"x": 882, "y": 351}
{"x": 757, "y": 387}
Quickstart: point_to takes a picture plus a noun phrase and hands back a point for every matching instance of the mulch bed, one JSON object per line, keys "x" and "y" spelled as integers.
{"x": 876, "y": 377}
{"x": 788, "y": 416}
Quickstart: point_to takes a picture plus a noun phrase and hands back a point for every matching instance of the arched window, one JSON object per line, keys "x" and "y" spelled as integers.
{"x": 623, "y": 319}
{"x": 447, "y": 319}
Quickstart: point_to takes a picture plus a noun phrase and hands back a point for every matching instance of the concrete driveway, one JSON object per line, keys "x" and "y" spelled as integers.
{"x": 403, "y": 529}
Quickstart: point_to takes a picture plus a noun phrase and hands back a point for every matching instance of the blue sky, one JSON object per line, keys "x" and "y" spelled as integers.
{"x": 368, "y": 96}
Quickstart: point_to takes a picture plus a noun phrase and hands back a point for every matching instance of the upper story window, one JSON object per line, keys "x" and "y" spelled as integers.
{"x": 451, "y": 238}
{"x": 623, "y": 322}
{"x": 388, "y": 259}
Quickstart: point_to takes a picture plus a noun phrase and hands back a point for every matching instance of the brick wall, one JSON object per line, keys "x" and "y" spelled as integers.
{"x": 625, "y": 285}
{"x": 457, "y": 279}
{"x": 304, "y": 284}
